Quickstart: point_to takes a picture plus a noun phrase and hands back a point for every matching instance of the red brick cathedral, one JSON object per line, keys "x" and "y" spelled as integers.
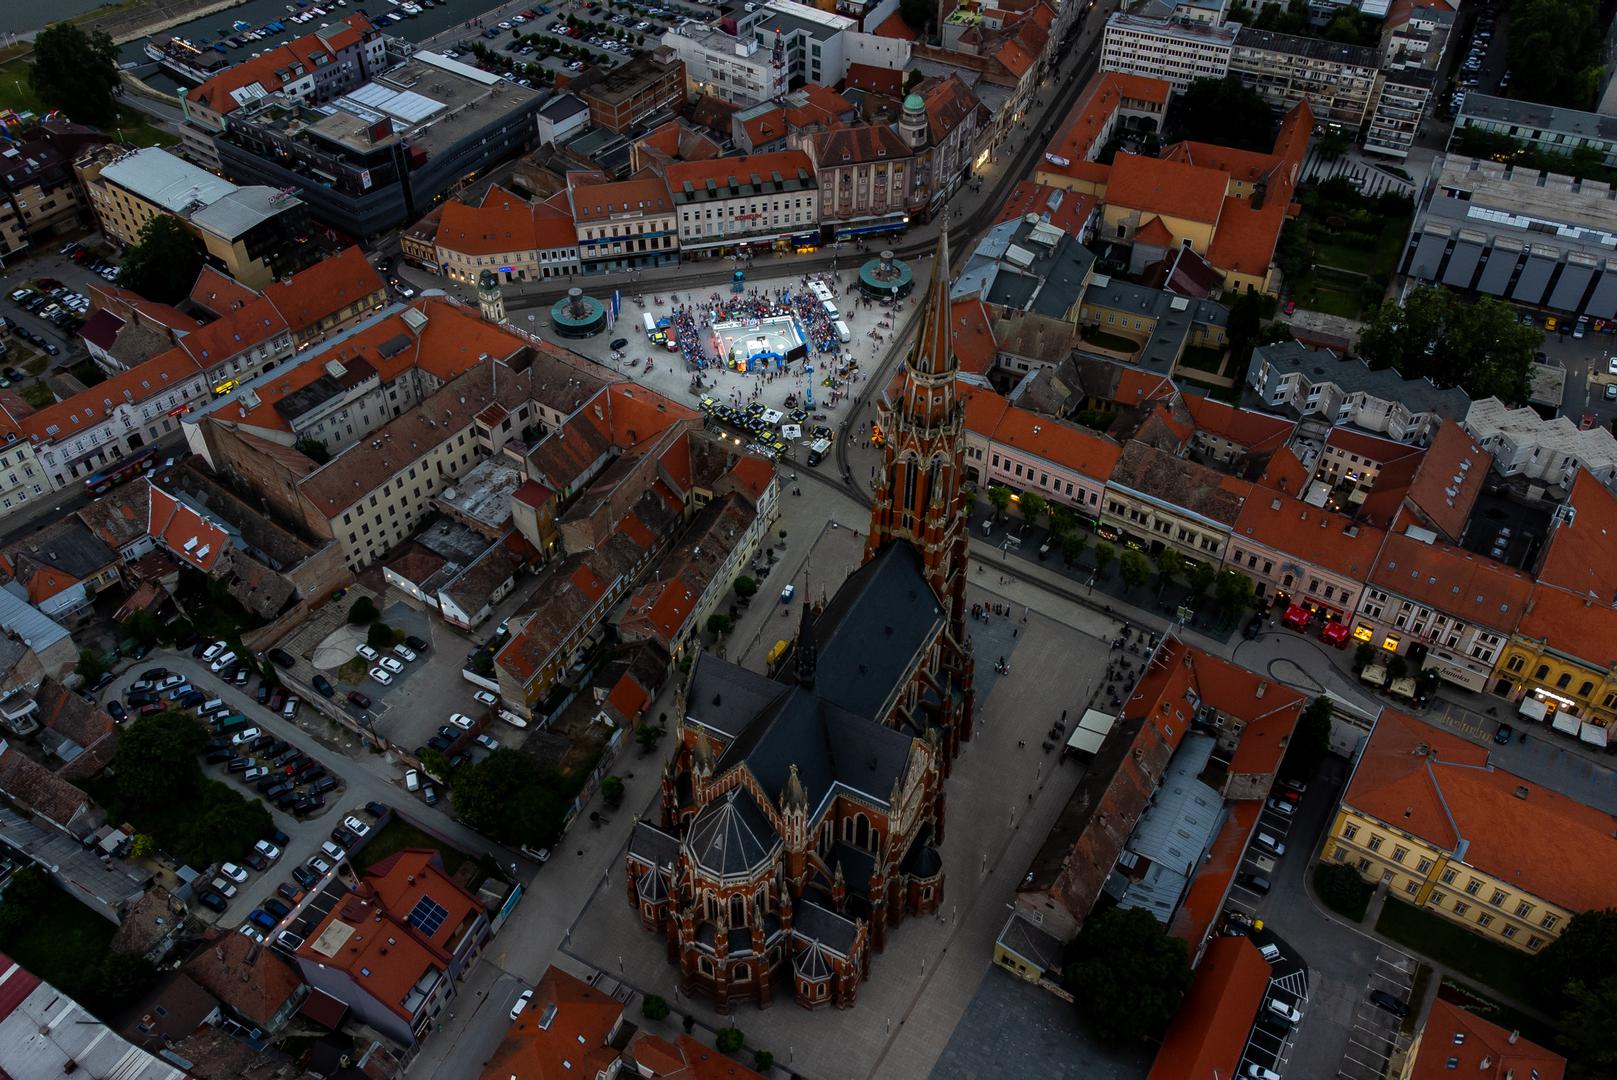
{"x": 802, "y": 813}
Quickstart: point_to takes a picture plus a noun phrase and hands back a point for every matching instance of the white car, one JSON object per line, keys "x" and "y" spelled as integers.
{"x": 488, "y": 742}
{"x": 522, "y": 1003}
{"x": 367, "y": 652}
{"x": 483, "y": 697}
{"x": 222, "y": 661}
{"x": 405, "y": 654}
{"x": 355, "y": 825}
{"x": 319, "y": 865}
{"x": 505, "y": 26}
{"x": 249, "y": 930}
{"x": 462, "y": 721}
{"x": 381, "y": 676}
{"x": 412, "y": 780}
{"x": 224, "y": 888}
{"x": 1284, "y": 1011}
{"x": 391, "y": 664}
{"x": 234, "y": 873}
{"x": 213, "y": 650}
{"x": 245, "y": 735}
{"x": 332, "y": 851}
{"x": 268, "y": 850}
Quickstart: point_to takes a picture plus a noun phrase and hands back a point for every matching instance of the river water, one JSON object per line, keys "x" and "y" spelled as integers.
{"x": 260, "y": 13}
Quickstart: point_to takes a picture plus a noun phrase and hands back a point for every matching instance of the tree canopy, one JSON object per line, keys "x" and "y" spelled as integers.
{"x": 164, "y": 263}
{"x": 1479, "y": 347}
{"x": 1311, "y": 740}
{"x": 1555, "y": 51}
{"x": 156, "y": 759}
{"x": 76, "y": 72}
{"x": 1224, "y": 111}
{"x": 1575, "y": 981}
{"x": 509, "y": 797}
{"x": 1133, "y": 568}
{"x": 1127, "y": 974}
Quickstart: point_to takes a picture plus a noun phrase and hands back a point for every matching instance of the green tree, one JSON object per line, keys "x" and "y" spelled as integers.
{"x": 507, "y": 796}
{"x": 1127, "y": 974}
{"x": 718, "y": 623}
{"x": 90, "y": 666}
{"x": 1133, "y": 568}
{"x": 1554, "y": 46}
{"x": 224, "y": 825}
{"x": 1364, "y": 654}
{"x": 648, "y": 736}
{"x": 1234, "y": 591}
{"x": 999, "y": 497}
{"x": 1341, "y": 887}
{"x": 653, "y": 1007}
{"x": 1585, "y": 1030}
{"x": 77, "y": 73}
{"x": 762, "y": 1061}
{"x": 313, "y": 449}
{"x": 1033, "y": 507}
{"x": 730, "y": 1040}
{"x": 1226, "y": 112}
{"x": 1397, "y": 668}
{"x": 156, "y": 762}
{"x": 1481, "y": 348}
{"x": 1584, "y": 955}
{"x": 164, "y": 263}
{"x": 1063, "y": 520}
{"x": 121, "y": 979}
{"x": 362, "y": 611}
{"x": 1200, "y": 577}
{"x": 1072, "y": 547}
{"x": 434, "y": 763}
{"x": 746, "y": 586}
{"x": 1310, "y": 740}
{"x": 612, "y": 791}
{"x": 1333, "y": 144}
{"x": 381, "y": 636}
{"x": 1170, "y": 564}
{"x": 143, "y": 627}
{"x": 25, "y": 897}
{"x": 1104, "y": 554}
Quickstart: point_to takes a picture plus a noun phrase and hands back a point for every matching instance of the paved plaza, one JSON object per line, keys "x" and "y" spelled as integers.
{"x": 922, "y": 985}
{"x": 668, "y": 375}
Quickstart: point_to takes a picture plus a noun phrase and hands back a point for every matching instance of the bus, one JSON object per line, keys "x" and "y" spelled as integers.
{"x": 103, "y": 481}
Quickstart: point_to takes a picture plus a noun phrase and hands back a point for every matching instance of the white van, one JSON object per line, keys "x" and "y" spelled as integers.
{"x": 412, "y": 780}
{"x": 211, "y": 706}
{"x": 650, "y": 323}
{"x": 843, "y": 332}
{"x": 831, "y": 311}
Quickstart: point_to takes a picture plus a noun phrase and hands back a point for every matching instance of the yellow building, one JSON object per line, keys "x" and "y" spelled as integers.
{"x": 1543, "y": 670}
{"x": 1508, "y": 859}
{"x": 255, "y": 234}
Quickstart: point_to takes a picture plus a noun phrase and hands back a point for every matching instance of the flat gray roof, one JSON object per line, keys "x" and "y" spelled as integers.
{"x": 1498, "y": 110}
{"x": 171, "y": 182}
{"x": 242, "y": 209}
{"x": 1311, "y": 48}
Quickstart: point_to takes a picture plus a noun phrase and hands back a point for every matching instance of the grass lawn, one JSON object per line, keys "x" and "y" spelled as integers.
{"x": 132, "y": 126}
{"x": 1381, "y": 259}
{"x": 1316, "y": 296}
{"x": 400, "y": 834}
{"x": 1432, "y": 936}
{"x": 65, "y": 946}
{"x": 1506, "y": 1017}
{"x": 1350, "y": 911}
{"x": 1104, "y": 340}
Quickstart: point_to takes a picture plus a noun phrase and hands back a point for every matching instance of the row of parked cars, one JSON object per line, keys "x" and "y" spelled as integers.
{"x": 1470, "y": 75}
{"x": 391, "y": 664}
{"x": 94, "y": 263}
{"x": 275, "y": 910}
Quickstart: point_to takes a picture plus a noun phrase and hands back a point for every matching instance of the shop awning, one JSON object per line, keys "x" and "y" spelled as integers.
{"x": 1593, "y": 734}
{"x": 1404, "y": 688}
{"x": 1565, "y": 722}
{"x": 1296, "y": 616}
{"x": 1533, "y": 709}
{"x": 1375, "y": 675}
{"x": 1085, "y": 741}
{"x": 1334, "y": 632}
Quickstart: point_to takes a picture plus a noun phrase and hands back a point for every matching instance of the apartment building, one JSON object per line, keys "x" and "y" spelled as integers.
{"x": 1445, "y": 607}
{"x": 1155, "y": 499}
{"x": 1019, "y": 449}
{"x": 313, "y": 68}
{"x": 1553, "y": 451}
{"x": 728, "y": 204}
{"x": 735, "y": 69}
{"x": 39, "y": 194}
{"x": 1402, "y": 98}
{"x": 1305, "y": 555}
{"x": 814, "y": 42}
{"x": 255, "y": 234}
{"x": 627, "y": 97}
{"x": 1317, "y": 382}
{"x": 866, "y": 174}
{"x": 393, "y": 948}
{"x": 1176, "y": 51}
{"x": 507, "y": 235}
{"x": 23, "y": 476}
{"x": 1547, "y": 128}
{"x": 1338, "y": 81}
{"x": 624, "y": 225}
{"x": 1451, "y": 832}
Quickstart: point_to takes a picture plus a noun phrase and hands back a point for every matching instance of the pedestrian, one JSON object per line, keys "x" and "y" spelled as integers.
{"x": 1020, "y": 745}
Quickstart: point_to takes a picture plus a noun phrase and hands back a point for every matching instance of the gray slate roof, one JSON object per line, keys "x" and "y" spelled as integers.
{"x": 730, "y": 835}
{"x": 652, "y": 846}
{"x": 872, "y": 629}
{"x": 814, "y": 923}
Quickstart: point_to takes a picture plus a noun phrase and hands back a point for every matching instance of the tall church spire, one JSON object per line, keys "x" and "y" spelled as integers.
{"x": 805, "y": 653}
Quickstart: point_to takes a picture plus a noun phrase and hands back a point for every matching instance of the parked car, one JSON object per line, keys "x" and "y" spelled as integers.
{"x": 375, "y": 809}
{"x": 388, "y": 662}
{"x": 224, "y": 888}
{"x": 213, "y": 901}
{"x": 289, "y": 891}
{"x": 488, "y": 742}
{"x": 1288, "y": 1013}
{"x": 521, "y": 1003}
{"x": 263, "y": 919}
{"x": 268, "y": 850}
{"x": 233, "y": 872}
{"x": 323, "y": 686}
{"x": 319, "y": 865}
{"x": 246, "y": 735}
{"x": 1383, "y": 1000}
{"x": 256, "y": 861}
{"x": 405, "y": 654}
{"x": 429, "y": 795}
{"x": 483, "y": 697}
{"x": 356, "y": 825}
{"x": 1269, "y": 843}
{"x": 343, "y": 838}
{"x": 1256, "y": 882}
{"x": 381, "y": 676}
{"x": 416, "y": 643}
{"x": 281, "y": 659}
{"x": 362, "y": 700}
{"x": 462, "y": 721}
{"x": 277, "y": 908}
{"x": 305, "y": 876}
{"x": 367, "y": 652}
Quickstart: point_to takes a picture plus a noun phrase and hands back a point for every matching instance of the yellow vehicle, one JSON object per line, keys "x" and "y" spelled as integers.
{"x": 776, "y": 651}
{"x": 225, "y": 387}
{"x": 1549, "y": 324}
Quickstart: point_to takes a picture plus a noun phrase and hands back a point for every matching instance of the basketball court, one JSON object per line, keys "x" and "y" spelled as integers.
{"x": 757, "y": 344}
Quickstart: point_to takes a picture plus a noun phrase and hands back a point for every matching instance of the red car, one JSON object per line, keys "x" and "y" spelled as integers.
{"x": 1291, "y": 306}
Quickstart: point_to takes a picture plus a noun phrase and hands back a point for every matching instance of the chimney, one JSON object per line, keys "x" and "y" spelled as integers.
{"x": 1263, "y": 688}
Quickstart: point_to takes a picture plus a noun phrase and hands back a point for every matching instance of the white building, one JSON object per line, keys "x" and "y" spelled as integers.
{"x": 738, "y": 70}
{"x": 1525, "y": 444}
{"x": 756, "y": 199}
{"x": 1316, "y": 382}
{"x": 1176, "y": 51}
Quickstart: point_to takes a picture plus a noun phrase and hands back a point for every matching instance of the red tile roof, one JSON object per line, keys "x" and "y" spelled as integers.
{"x": 196, "y": 541}
{"x": 278, "y": 66}
{"x": 1314, "y": 535}
{"x": 1209, "y": 1032}
{"x": 1545, "y": 843}
{"x": 1154, "y": 233}
{"x": 598, "y": 202}
{"x": 875, "y": 80}
{"x": 683, "y": 1059}
{"x": 1170, "y": 188}
{"x": 1478, "y": 1048}
{"x": 1204, "y": 901}
{"x": 1449, "y": 479}
{"x": 504, "y": 222}
{"x": 972, "y": 336}
{"x": 238, "y": 330}
{"x": 1066, "y": 210}
{"x": 402, "y": 879}
{"x": 1453, "y": 580}
{"x": 218, "y": 292}
{"x": 1260, "y": 433}
{"x": 1578, "y": 556}
{"x": 1285, "y": 473}
{"x": 1074, "y": 447}
{"x": 719, "y": 170}
{"x": 1573, "y": 623}
{"x": 895, "y": 27}
{"x": 561, "y": 1034}
{"x": 1090, "y": 115}
{"x": 159, "y": 375}
{"x": 325, "y": 288}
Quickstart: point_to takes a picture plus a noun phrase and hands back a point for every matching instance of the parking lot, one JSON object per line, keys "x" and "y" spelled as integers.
{"x": 538, "y": 38}
{"x": 1379, "y": 1034}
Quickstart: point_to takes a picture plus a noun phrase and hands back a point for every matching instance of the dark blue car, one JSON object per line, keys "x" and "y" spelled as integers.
{"x": 262, "y": 919}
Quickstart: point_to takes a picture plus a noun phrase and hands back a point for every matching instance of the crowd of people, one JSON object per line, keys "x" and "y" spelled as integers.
{"x": 691, "y": 323}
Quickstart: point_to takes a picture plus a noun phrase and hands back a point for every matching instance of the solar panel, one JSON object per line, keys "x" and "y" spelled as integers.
{"x": 427, "y": 916}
